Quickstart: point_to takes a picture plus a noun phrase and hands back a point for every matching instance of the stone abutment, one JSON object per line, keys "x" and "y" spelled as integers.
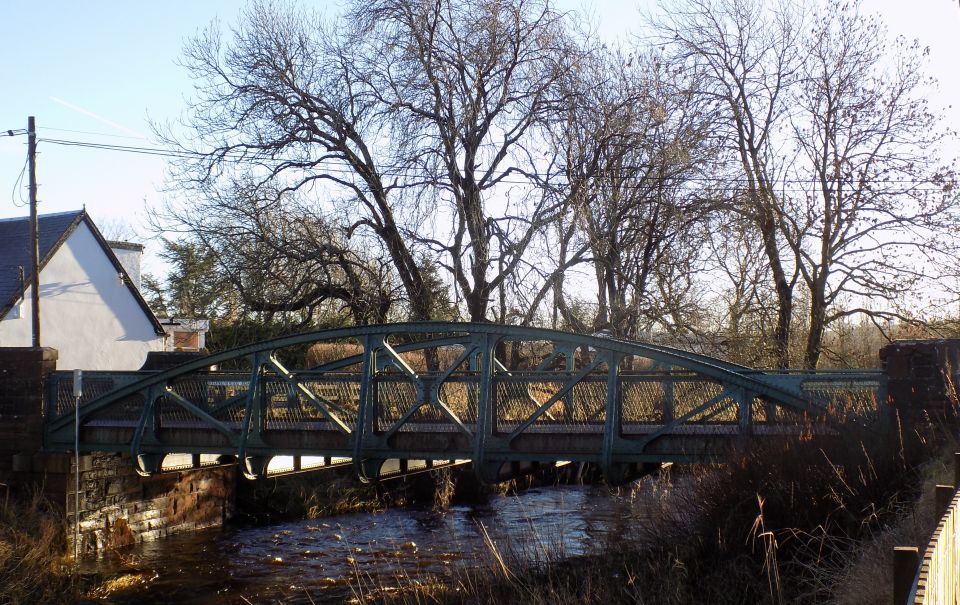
{"x": 117, "y": 506}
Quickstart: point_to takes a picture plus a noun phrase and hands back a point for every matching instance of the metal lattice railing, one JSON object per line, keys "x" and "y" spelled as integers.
{"x": 491, "y": 394}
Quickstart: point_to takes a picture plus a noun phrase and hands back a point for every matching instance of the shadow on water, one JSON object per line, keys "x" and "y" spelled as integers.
{"x": 328, "y": 560}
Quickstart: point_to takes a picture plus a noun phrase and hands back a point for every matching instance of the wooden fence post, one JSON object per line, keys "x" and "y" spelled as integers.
{"x": 944, "y": 495}
{"x": 956, "y": 469}
{"x": 906, "y": 561}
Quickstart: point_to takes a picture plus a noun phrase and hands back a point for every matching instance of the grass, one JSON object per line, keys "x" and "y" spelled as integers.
{"x": 33, "y": 567}
{"x": 868, "y": 579}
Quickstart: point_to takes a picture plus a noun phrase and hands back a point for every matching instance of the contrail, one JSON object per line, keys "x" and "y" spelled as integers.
{"x": 96, "y": 117}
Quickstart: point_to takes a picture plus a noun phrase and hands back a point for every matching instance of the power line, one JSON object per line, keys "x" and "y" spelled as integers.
{"x": 123, "y": 148}
{"x": 16, "y": 186}
{"x": 239, "y": 157}
{"x": 90, "y": 132}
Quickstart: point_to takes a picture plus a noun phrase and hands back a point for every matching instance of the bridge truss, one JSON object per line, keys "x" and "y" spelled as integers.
{"x": 487, "y": 393}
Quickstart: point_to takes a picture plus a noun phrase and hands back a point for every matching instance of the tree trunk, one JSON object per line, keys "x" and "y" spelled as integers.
{"x": 818, "y": 314}
{"x": 781, "y": 335}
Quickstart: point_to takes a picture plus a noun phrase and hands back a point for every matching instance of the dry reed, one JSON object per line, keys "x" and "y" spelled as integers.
{"x": 33, "y": 567}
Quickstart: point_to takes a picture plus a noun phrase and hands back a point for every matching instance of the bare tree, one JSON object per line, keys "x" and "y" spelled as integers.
{"x": 644, "y": 254}
{"x": 740, "y": 292}
{"x": 409, "y": 116}
{"x": 632, "y": 142}
{"x": 873, "y": 194}
{"x": 280, "y": 258}
{"x": 470, "y": 88}
{"x": 748, "y": 55}
{"x": 280, "y": 104}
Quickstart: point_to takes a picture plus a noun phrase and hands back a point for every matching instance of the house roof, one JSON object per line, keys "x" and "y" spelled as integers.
{"x": 53, "y": 230}
{"x": 119, "y": 245}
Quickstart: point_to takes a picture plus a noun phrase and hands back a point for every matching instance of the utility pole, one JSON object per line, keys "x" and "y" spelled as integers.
{"x": 34, "y": 228}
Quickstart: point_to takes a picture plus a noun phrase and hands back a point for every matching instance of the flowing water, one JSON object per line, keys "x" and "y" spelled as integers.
{"x": 336, "y": 559}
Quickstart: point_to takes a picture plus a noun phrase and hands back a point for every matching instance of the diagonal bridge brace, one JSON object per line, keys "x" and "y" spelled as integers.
{"x": 320, "y": 404}
{"x": 146, "y": 430}
{"x": 703, "y": 407}
{"x": 566, "y": 388}
{"x": 424, "y": 397}
{"x": 433, "y": 397}
{"x": 364, "y": 436}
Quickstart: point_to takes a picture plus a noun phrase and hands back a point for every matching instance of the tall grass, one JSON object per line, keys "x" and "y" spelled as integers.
{"x": 783, "y": 522}
{"x": 33, "y": 567}
{"x": 867, "y": 578}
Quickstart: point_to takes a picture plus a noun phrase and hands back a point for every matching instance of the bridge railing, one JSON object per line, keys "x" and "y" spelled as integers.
{"x": 647, "y": 397}
{"x": 517, "y": 394}
{"x": 933, "y": 579}
{"x": 60, "y": 400}
{"x": 449, "y": 391}
{"x": 859, "y": 394}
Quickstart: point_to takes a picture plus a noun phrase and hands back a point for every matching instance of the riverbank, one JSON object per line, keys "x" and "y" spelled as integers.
{"x": 801, "y": 520}
{"x": 798, "y": 521}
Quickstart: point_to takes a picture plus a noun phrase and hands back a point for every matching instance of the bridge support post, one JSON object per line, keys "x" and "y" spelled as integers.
{"x": 668, "y": 400}
{"x": 486, "y": 471}
{"x": 254, "y": 419}
{"x": 147, "y": 464}
{"x": 23, "y": 463}
{"x": 569, "y": 401}
{"x": 613, "y": 472}
{"x": 745, "y": 403}
{"x": 366, "y": 421}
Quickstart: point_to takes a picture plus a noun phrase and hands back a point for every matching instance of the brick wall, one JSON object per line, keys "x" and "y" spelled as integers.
{"x": 923, "y": 377}
{"x": 22, "y": 461}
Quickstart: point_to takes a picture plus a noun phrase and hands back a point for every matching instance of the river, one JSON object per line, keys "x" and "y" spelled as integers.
{"x": 335, "y": 559}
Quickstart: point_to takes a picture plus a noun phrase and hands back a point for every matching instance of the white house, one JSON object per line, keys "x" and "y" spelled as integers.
{"x": 91, "y": 309}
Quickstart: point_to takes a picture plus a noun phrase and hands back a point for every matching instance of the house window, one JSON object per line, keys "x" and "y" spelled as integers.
{"x": 15, "y": 311}
{"x": 186, "y": 341}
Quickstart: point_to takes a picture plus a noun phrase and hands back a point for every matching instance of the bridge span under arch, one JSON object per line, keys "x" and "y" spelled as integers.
{"x": 488, "y": 393}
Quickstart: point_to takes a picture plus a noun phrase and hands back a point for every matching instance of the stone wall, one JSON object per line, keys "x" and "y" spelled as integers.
{"x": 119, "y": 507}
{"x": 923, "y": 377}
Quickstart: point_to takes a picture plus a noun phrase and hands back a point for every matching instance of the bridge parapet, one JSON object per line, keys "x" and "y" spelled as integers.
{"x": 439, "y": 391}
{"x": 924, "y": 376}
{"x": 23, "y": 371}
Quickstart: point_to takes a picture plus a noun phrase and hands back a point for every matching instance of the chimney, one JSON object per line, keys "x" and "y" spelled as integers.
{"x": 129, "y": 254}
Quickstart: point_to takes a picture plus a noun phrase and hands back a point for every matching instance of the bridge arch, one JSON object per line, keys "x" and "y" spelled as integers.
{"x": 438, "y": 390}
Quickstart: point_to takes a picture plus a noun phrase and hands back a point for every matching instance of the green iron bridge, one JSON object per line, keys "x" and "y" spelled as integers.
{"x": 379, "y": 396}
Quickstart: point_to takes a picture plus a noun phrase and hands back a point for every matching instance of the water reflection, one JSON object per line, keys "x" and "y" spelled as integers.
{"x": 332, "y": 560}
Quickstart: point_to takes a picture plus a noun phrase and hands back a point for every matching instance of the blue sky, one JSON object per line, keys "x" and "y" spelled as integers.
{"x": 108, "y": 67}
